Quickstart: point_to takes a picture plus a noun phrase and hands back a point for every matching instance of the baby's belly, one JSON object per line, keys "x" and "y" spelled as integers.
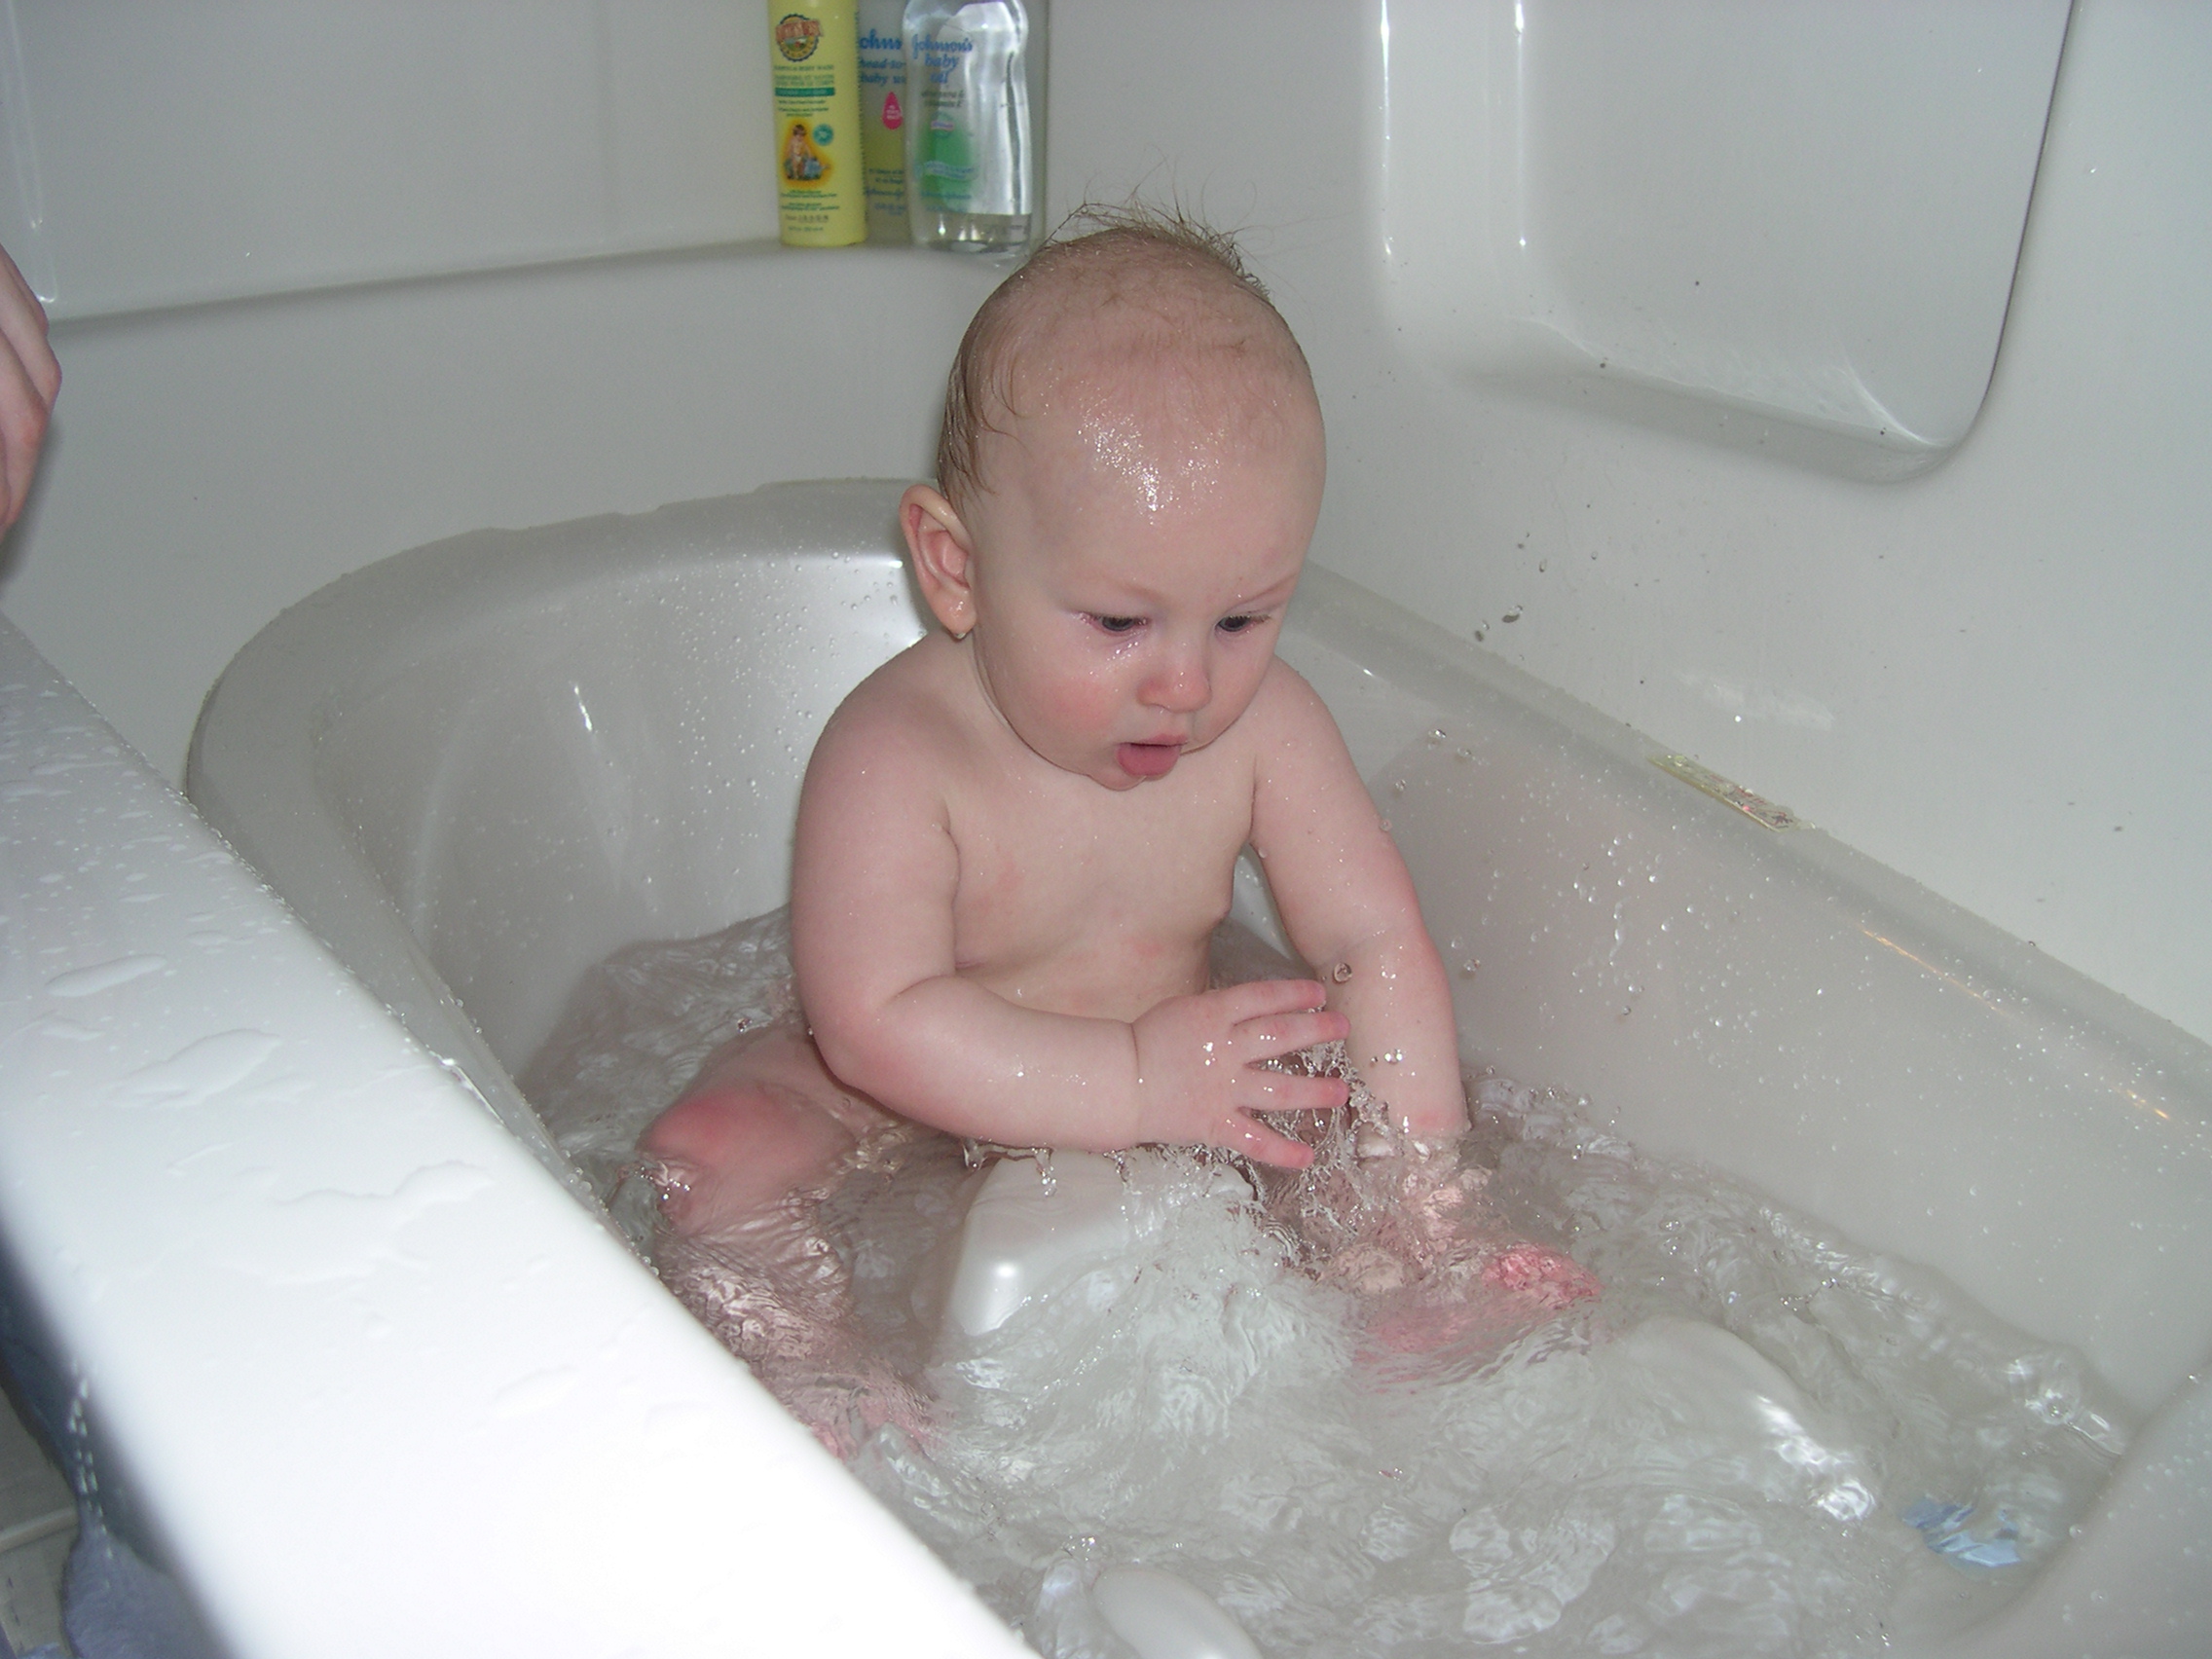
{"x": 1112, "y": 933}
{"x": 1104, "y": 978}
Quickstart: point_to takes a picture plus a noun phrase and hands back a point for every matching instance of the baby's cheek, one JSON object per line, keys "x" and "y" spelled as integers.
{"x": 1087, "y": 703}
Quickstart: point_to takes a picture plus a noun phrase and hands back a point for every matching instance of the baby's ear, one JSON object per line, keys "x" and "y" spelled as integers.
{"x": 938, "y": 546}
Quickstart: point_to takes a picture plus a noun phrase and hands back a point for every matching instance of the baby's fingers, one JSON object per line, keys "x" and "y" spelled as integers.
{"x": 1260, "y": 998}
{"x": 1267, "y": 1091}
{"x": 1263, "y": 1145}
{"x": 1276, "y": 1034}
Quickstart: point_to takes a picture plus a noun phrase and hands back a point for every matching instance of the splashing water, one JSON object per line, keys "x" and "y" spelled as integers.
{"x": 1371, "y": 1409}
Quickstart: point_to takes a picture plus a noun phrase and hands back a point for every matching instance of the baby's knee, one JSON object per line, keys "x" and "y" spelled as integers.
{"x": 706, "y": 1129}
{"x": 734, "y": 1149}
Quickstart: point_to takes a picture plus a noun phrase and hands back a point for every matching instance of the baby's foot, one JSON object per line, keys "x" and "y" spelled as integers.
{"x": 1470, "y": 1315}
{"x": 1550, "y": 1277}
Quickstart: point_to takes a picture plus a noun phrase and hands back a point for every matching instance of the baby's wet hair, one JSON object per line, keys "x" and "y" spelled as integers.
{"x": 1108, "y": 252}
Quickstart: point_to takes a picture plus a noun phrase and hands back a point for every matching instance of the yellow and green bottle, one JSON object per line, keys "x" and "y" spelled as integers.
{"x": 820, "y": 193}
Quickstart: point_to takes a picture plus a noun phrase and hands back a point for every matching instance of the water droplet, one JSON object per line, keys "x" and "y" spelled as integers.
{"x": 103, "y": 975}
{"x": 1340, "y": 972}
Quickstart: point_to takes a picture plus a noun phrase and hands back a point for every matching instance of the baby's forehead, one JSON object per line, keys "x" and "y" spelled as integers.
{"x": 1115, "y": 402}
{"x": 1117, "y": 389}
{"x": 1179, "y": 370}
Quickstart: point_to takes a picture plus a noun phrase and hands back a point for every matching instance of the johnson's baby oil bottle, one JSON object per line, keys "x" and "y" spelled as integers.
{"x": 974, "y": 122}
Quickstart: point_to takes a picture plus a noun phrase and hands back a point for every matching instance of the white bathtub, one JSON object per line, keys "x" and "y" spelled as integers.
{"x": 371, "y": 1372}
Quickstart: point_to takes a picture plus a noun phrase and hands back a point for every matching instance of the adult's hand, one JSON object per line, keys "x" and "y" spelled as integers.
{"x": 30, "y": 381}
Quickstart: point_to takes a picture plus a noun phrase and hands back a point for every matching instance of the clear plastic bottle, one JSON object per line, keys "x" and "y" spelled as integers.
{"x": 975, "y": 122}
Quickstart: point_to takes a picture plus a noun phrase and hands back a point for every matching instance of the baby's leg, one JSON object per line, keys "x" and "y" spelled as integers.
{"x": 742, "y": 1162}
{"x": 762, "y": 1120}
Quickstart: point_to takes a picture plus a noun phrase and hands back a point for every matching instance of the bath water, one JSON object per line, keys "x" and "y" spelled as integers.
{"x": 1758, "y": 1439}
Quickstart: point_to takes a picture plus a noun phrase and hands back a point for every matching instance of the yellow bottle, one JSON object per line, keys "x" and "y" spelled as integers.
{"x": 820, "y": 193}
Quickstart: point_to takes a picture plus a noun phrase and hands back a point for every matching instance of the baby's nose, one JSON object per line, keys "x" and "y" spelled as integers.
{"x": 1180, "y": 685}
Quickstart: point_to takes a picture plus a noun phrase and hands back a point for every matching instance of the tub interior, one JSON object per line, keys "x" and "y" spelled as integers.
{"x": 479, "y": 767}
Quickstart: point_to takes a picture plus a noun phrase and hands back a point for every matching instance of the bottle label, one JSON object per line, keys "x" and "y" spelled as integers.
{"x": 968, "y": 85}
{"x": 883, "y": 77}
{"x": 819, "y": 162}
{"x": 796, "y": 35}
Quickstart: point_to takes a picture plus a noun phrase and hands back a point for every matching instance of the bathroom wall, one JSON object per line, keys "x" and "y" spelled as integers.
{"x": 1988, "y": 675}
{"x": 1991, "y": 677}
{"x": 168, "y": 153}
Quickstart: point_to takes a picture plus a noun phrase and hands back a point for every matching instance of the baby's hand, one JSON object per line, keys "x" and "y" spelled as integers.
{"x": 1197, "y": 1079}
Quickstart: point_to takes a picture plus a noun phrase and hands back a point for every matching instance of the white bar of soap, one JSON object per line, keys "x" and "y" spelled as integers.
{"x": 1165, "y": 1618}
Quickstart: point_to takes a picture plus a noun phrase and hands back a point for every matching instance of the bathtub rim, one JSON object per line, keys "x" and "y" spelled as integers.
{"x": 297, "y": 1450}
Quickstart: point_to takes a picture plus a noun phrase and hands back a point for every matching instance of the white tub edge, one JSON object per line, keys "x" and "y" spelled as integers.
{"x": 329, "y": 1450}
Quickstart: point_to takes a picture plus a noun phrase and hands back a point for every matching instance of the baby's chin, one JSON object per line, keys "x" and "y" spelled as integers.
{"x": 1114, "y": 770}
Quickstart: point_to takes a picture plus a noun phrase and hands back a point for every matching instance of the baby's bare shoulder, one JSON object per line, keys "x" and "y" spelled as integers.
{"x": 1297, "y": 746}
{"x": 897, "y": 724}
{"x": 1287, "y": 710}
{"x": 874, "y": 832}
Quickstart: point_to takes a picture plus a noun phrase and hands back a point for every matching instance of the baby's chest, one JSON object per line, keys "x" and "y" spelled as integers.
{"x": 1042, "y": 880}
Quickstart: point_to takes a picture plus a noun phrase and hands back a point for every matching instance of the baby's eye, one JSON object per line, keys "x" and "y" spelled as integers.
{"x": 1238, "y": 625}
{"x": 1119, "y": 624}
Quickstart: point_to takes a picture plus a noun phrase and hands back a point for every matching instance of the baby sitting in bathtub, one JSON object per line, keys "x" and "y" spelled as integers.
{"x": 1017, "y": 838}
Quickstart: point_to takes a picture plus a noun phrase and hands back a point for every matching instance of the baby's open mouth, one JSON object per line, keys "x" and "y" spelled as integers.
{"x": 1148, "y": 760}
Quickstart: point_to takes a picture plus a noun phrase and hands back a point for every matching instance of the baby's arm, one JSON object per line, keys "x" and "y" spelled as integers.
{"x": 1345, "y": 899}
{"x": 875, "y": 876}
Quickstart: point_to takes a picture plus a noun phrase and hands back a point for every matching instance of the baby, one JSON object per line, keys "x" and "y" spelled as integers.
{"x": 1018, "y": 837}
